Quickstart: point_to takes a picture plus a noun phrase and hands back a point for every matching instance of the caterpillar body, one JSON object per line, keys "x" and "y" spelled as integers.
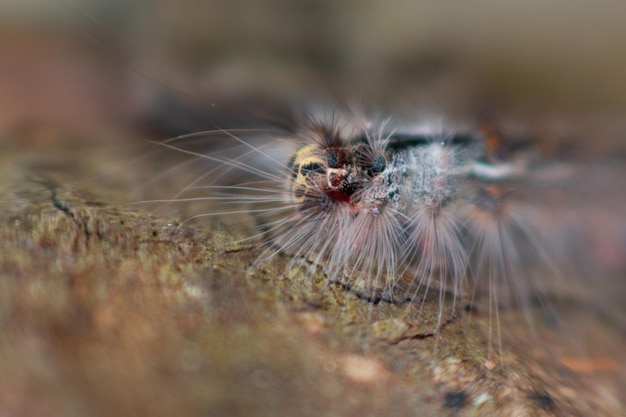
{"x": 394, "y": 213}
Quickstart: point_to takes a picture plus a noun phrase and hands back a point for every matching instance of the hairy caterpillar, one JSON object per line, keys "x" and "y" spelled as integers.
{"x": 394, "y": 213}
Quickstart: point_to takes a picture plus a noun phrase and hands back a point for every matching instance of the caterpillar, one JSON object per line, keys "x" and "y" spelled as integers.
{"x": 395, "y": 212}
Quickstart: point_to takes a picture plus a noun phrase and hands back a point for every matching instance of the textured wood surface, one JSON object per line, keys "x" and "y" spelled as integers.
{"x": 109, "y": 309}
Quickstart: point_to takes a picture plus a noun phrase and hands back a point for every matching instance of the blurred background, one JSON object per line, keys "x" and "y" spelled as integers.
{"x": 184, "y": 65}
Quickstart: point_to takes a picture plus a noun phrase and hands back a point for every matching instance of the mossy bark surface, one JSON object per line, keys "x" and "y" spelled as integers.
{"x": 111, "y": 309}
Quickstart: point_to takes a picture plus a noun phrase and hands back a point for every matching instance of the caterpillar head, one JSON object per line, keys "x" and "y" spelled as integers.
{"x": 335, "y": 169}
{"x": 323, "y": 177}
